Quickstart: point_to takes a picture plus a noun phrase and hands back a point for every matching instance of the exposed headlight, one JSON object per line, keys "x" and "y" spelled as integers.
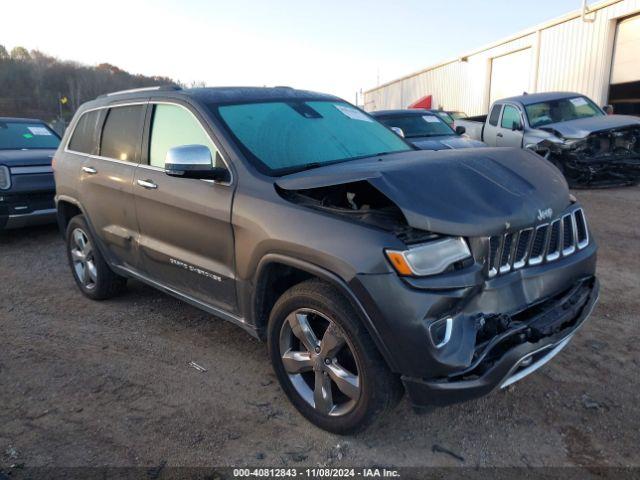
{"x": 5, "y": 178}
{"x": 429, "y": 258}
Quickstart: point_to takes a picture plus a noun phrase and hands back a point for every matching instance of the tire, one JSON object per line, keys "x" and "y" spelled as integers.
{"x": 90, "y": 271}
{"x": 344, "y": 361}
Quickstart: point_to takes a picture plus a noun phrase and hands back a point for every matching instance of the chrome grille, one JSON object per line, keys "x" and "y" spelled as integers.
{"x": 535, "y": 245}
{"x": 553, "y": 247}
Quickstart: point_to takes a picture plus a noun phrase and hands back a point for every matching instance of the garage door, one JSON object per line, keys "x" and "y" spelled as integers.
{"x": 626, "y": 53}
{"x": 624, "y": 93}
{"x": 510, "y": 74}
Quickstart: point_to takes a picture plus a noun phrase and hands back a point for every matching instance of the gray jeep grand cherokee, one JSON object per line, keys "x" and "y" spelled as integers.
{"x": 369, "y": 267}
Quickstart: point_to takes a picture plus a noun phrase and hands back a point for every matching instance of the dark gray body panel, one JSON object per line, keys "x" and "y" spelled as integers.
{"x": 235, "y": 231}
{"x": 467, "y": 192}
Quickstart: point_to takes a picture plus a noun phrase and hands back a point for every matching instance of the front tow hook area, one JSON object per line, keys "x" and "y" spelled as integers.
{"x": 533, "y": 361}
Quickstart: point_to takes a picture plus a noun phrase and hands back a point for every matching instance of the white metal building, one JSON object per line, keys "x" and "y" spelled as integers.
{"x": 594, "y": 51}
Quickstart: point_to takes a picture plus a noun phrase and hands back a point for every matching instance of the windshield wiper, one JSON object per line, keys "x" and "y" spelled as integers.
{"x": 299, "y": 168}
{"x": 312, "y": 165}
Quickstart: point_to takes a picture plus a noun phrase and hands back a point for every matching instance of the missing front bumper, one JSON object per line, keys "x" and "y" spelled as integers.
{"x": 511, "y": 366}
{"x": 599, "y": 174}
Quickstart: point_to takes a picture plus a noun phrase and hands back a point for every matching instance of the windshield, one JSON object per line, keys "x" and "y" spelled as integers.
{"x": 287, "y": 136}
{"x": 26, "y": 136}
{"x": 561, "y": 110}
{"x": 419, "y": 125}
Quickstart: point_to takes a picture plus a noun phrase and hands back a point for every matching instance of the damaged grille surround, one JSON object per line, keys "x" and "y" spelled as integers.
{"x": 543, "y": 243}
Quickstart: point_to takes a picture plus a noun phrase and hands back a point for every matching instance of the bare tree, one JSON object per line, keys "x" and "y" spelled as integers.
{"x": 32, "y": 84}
{"x": 20, "y": 53}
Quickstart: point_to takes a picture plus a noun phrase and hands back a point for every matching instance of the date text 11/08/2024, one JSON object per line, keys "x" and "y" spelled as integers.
{"x": 316, "y": 472}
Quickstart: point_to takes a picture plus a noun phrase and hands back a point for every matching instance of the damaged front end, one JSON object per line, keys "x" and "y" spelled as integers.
{"x": 359, "y": 201}
{"x": 602, "y": 159}
{"x": 516, "y": 272}
{"x": 510, "y": 347}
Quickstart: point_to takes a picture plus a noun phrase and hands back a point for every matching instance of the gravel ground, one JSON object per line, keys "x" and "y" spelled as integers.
{"x": 87, "y": 383}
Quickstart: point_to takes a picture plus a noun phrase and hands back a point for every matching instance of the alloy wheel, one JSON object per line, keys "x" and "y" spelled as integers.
{"x": 320, "y": 362}
{"x": 83, "y": 260}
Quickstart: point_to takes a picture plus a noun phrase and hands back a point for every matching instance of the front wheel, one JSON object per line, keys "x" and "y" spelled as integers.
{"x": 90, "y": 271}
{"x": 326, "y": 362}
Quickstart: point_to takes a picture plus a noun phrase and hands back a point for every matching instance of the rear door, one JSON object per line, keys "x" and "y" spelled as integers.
{"x": 491, "y": 125}
{"x": 185, "y": 224}
{"x": 506, "y": 135}
{"x": 106, "y": 179}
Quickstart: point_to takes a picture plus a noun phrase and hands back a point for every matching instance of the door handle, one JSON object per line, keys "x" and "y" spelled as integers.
{"x": 499, "y": 135}
{"x": 148, "y": 184}
{"x": 89, "y": 170}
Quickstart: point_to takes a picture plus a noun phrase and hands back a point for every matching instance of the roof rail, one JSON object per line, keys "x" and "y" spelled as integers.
{"x": 143, "y": 89}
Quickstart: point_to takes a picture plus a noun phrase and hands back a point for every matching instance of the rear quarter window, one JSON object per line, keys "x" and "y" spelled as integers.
{"x": 85, "y": 136}
{"x": 122, "y": 133}
{"x": 495, "y": 115}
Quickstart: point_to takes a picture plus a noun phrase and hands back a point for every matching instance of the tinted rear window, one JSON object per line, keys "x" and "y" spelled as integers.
{"x": 495, "y": 115}
{"x": 85, "y": 135}
{"x": 122, "y": 133}
{"x": 26, "y": 136}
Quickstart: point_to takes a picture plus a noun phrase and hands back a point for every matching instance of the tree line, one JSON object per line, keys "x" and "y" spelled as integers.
{"x": 36, "y": 85}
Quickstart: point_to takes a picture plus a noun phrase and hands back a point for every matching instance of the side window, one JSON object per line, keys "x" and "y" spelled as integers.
{"x": 495, "y": 114}
{"x": 174, "y": 126}
{"x": 510, "y": 115}
{"x": 85, "y": 136}
{"x": 122, "y": 133}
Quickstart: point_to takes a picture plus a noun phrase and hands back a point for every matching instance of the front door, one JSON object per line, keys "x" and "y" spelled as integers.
{"x": 506, "y": 135}
{"x": 186, "y": 238}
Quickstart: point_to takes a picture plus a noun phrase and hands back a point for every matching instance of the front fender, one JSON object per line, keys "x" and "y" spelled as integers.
{"x": 333, "y": 279}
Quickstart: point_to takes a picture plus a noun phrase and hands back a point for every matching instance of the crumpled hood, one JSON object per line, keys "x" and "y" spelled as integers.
{"x": 25, "y": 158}
{"x": 444, "y": 142}
{"x": 583, "y": 127}
{"x": 456, "y": 192}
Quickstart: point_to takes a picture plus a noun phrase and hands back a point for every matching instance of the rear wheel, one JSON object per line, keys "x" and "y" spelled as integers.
{"x": 326, "y": 361}
{"x": 90, "y": 271}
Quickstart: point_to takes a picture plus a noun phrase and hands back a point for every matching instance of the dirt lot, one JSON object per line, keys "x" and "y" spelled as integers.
{"x": 86, "y": 383}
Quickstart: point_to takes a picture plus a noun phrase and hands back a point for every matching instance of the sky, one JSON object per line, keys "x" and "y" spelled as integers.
{"x": 331, "y": 46}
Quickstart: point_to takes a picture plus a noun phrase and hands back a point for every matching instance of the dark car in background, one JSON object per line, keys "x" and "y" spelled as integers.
{"x": 425, "y": 129}
{"x": 26, "y": 176}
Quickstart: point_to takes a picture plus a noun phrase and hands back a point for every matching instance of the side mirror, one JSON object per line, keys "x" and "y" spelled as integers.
{"x": 516, "y": 126}
{"x": 398, "y": 131}
{"x": 193, "y": 161}
{"x": 608, "y": 109}
{"x": 460, "y": 130}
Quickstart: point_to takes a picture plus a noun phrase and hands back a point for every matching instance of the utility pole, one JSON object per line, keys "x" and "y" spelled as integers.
{"x": 60, "y": 106}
